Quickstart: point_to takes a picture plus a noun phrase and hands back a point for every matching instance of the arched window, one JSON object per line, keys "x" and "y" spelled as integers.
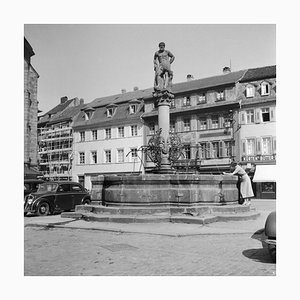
{"x": 265, "y": 89}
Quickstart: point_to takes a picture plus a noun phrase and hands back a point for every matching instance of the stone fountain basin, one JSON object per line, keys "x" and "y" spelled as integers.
{"x": 165, "y": 190}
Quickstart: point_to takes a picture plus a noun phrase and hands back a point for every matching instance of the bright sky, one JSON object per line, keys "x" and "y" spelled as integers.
{"x": 91, "y": 61}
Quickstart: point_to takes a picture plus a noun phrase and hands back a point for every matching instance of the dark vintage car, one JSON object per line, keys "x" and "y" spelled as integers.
{"x": 56, "y": 196}
{"x": 270, "y": 232}
{"x": 31, "y": 185}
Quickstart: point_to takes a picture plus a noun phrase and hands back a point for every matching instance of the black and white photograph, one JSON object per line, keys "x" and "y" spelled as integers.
{"x": 148, "y": 151}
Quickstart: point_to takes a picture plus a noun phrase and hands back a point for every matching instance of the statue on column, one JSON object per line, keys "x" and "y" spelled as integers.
{"x": 162, "y": 67}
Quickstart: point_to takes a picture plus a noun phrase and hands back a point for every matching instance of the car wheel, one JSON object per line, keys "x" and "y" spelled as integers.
{"x": 86, "y": 202}
{"x": 43, "y": 209}
{"x": 272, "y": 252}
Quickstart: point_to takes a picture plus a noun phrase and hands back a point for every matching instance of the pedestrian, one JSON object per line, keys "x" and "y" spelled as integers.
{"x": 245, "y": 182}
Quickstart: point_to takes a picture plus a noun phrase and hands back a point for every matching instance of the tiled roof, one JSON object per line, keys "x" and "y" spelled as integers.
{"x": 259, "y": 73}
{"x": 58, "y": 108}
{"x": 186, "y": 86}
{"x": 99, "y": 116}
{"x": 67, "y": 114}
{"x": 208, "y": 82}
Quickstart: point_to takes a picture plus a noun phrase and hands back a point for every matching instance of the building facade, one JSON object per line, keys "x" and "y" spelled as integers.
{"x": 108, "y": 135}
{"x": 30, "y": 113}
{"x": 257, "y": 133}
{"x": 202, "y": 114}
{"x": 55, "y": 140}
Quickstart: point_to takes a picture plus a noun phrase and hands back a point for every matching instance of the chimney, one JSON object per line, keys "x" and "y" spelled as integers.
{"x": 81, "y": 101}
{"x": 226, "y": 70}
{"x": 136, "y": 88}
{"x": 76, "y": 101}
{"x": 63, "y": 99}
{"x": 189, "y": 77}
{"x": 123, "y": 91}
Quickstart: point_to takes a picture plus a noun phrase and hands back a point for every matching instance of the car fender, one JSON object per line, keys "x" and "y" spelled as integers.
{"x": 270, "y": 225}
{"x": 49, "y": 200}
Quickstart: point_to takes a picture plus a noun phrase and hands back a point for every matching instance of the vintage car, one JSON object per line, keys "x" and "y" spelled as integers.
{"x": 31, "y": 185}
{"x": 270, "y": 232}
{"x": 56, "y": 196}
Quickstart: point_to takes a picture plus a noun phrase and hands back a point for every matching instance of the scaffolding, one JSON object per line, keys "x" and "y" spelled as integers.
{"x": 55, "y": 144}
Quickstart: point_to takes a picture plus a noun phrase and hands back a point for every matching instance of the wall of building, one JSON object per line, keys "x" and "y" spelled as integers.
{"x": 30, "y": 114}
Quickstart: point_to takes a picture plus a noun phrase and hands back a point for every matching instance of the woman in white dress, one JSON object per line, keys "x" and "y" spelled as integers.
{"x": 245, "y": 186}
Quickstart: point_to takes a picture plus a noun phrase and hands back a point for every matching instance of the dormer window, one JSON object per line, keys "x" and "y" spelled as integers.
{"x": 265, "y": 89}
{"x": 132, "y": 108}
{"x": 134, "y": 105}
{"x": 250, "y": 91}
{"x": 88, "y": 113}
{"x": 111, "y": 110}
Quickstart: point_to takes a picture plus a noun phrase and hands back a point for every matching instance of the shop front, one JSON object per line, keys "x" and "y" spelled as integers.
{"x": 265, "y": 181}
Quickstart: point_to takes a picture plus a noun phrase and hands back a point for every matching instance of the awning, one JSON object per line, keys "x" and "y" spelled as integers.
{"x": 30, "y": 173}
{"x": 265, "y": 173}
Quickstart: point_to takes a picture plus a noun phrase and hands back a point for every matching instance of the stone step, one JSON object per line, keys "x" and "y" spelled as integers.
{"x": 188, "y": 219}
{"x": 144, "y": 210}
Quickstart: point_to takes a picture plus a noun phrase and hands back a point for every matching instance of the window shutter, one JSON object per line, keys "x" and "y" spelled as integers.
{"x": 258, "y": 146}
{"x": 208, "y": 150}
{"x": 272, "y": 113}
{"x": 243, "y": 147}
{"x": 274, "y": 144}
{"x": 222, "y": 148}
{"x": 242, "y": 117}
{"x": 257, "y": 115}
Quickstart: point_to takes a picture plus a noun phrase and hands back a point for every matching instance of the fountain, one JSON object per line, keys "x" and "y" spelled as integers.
{"x": 163, "y": 195}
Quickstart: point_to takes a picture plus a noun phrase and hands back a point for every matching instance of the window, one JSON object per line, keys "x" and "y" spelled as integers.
{"x": 214, "y": 122}
{"x": 108, "y": 156}
{"x": 94, "y": 135}
{"x": 215, "y": 150}
{"x": 203, "y": 150}
{"x": 82, "y": 136}
{"x": 173, "y": 103}
{"x": 172, "y": 126}
{"x": 266, "y": 146}
{"x": 250, "y": 116}
{"x": 265, "y": 89}
{"x": 202, "y": 98}
{"x": 187, "y": 151}
{"x": 265, "y": 113}
{"x": 220, "y": 96}
{"x": 152, "y": 128}
{"x": 134, "y": 131}
{"x": 134, "y": 155}
{"x": 76, "y": 188}
{"x": 250, "y": 146}
{"x": 120, "y": 155}
{"x": 227, "y": 149}
{"x": 132, "y": 109}
{"x": 63, "y": 188}
{"x": 109, "y": 112}
{"x": 203, "y": 124}
{"x": 250, "y": 91}
{"x": 187, "y": 124}
{"x": 121, "y": 132}
{"x": 187, "y": 101}
{"x": 108, "y": 133}
{"x": 81, "y": 157}
{"x": 94, "y": 157}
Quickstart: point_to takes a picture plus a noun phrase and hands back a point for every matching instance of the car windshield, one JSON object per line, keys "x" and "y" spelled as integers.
{"x": 47, "y": 187}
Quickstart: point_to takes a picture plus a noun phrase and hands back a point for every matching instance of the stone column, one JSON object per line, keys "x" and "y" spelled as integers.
{"x": 163, "y": 103}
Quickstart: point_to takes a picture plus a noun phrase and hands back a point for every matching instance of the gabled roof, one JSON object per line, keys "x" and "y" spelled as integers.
{"x": 259, "y": 73}
{"x": 47, "y": 117}
{"x": 67, "y": 114}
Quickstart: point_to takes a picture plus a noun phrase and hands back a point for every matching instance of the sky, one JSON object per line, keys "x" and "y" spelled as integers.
{"x": 91, "y": 61}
